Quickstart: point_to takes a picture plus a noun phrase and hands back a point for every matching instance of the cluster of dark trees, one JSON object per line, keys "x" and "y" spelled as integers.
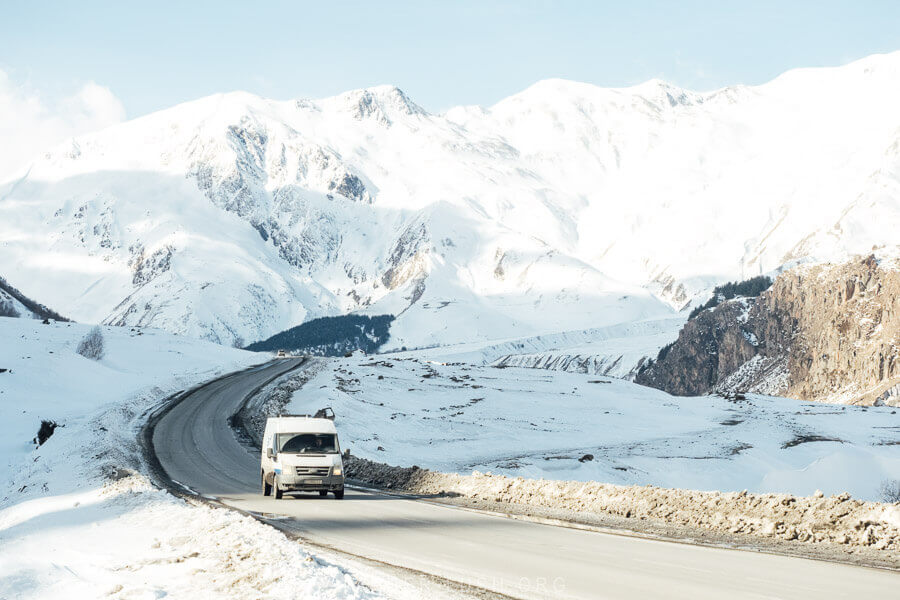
{"x": 331, "y": 336}
{"x": 749, "y": 288}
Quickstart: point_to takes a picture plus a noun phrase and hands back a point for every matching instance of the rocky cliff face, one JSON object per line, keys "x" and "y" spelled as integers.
{"x": 826, "y": 333}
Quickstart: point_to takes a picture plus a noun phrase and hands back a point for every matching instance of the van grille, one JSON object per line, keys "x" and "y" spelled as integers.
{"x": 316, "y": 471}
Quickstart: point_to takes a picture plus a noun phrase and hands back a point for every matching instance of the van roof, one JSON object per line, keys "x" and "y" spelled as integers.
{"x": 299, "y": 425}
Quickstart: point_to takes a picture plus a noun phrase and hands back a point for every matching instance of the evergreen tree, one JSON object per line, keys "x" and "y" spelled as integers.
{"x": 749, "y": 288}
{"x": 331, "y": 336}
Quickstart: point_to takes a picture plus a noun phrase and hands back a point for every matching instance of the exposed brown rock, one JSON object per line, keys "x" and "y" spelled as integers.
{"x": 825, "y": 332}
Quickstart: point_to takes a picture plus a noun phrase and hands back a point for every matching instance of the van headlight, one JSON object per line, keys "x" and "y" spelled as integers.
{"x": 337, "y": 471}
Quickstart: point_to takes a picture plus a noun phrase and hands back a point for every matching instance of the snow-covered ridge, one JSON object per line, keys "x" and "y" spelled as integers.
{"x": 14, "y": 304}
{"x": 11, "y": 307}
{"x": 564, "y": 207}
{"x": 616, "y": 350}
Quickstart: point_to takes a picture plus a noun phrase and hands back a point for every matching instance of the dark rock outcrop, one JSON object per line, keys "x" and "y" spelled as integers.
{"x": 710, "y": 347}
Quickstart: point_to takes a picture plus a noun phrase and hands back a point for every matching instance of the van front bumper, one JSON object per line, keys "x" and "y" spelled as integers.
{"x": 311, "y": 483}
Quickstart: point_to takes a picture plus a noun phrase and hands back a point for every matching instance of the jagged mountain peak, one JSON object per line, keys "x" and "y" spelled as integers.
{"x": 381, "y": 103}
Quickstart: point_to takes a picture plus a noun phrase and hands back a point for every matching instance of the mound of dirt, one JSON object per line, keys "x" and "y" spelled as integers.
{"x": 836, "y": 520}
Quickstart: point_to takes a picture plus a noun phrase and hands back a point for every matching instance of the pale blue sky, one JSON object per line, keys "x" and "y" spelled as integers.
{"x": 442, "y": 53}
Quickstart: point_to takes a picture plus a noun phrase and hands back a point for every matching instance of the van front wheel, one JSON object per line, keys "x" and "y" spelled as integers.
{"x": 339, "y": 493}
{"x": 266, "y": 486}
{"x": 279, "y": 494}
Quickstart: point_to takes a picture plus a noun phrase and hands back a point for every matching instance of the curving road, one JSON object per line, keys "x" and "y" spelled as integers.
{"x": 197, "y": 448}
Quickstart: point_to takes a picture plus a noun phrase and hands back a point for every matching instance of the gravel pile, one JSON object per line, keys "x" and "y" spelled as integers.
{"x": 836, "y": 520}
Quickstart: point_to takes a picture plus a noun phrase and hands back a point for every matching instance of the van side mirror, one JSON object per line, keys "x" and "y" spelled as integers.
{"x": 270, "y": 453}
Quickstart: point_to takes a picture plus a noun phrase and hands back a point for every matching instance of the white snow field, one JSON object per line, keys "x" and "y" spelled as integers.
{"x": 565, "y": 207}
{"x": 614, "y": 350}
{"x": 75, "y": 523}
{"x": 532, "y": 423}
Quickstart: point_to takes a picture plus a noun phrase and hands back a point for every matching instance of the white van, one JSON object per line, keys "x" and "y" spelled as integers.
{"x": 301, "y": 453}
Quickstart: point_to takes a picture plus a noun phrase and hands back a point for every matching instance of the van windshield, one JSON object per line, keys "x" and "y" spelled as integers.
{"x": 307, "y": 443}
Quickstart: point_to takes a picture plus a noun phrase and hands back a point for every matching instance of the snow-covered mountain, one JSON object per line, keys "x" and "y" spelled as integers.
{"x": 561, "y": 208}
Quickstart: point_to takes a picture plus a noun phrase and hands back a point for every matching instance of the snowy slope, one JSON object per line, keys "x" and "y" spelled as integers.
{"x": 11, "y": 307}
{"x": 78, "y": 520}
{"x": 46, "y": 379}
{"x": 14, "y": 304}
{"x": 616, "y": 350}
{"x": 565, "y": 207}
{"x": 523, "y": 422}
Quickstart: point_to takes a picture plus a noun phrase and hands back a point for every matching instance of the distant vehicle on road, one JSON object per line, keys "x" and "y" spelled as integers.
{"x": 281, "y": 354}
{"x": 301, "y": 453}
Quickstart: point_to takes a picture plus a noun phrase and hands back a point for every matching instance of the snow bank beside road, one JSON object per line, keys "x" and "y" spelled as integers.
{"x": 835, "y": 520}
{"x": 126, "y": 539}
{"x": 77, "y": 520}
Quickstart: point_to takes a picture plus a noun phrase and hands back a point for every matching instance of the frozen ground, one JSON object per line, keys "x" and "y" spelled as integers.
{"x": 77, "y": 521}
{"x": 535, "y": 423}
